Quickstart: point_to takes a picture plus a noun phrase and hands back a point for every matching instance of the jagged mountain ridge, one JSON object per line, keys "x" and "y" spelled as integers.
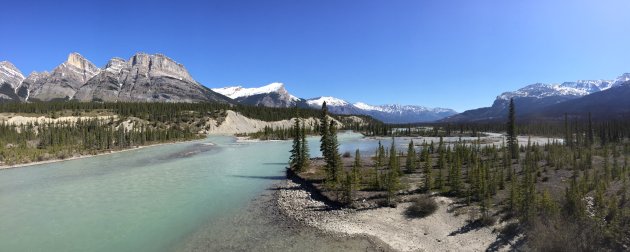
{"x": 276, "y": 95}
{"x": 534, "y": 98}
{"x": 271, "y": 95}
{"x": 144, "y": 77}
{"x": 612, "y": 103}
{"x": 10, "y": 80}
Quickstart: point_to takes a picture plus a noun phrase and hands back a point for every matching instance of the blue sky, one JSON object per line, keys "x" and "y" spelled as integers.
{"x": 455, "y": 54}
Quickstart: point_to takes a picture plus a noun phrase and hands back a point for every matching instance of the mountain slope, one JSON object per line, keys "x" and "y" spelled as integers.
{"x": 395, "y": 113}
{"x": 272, "y": 95}
{"x": 391, "y": 113}
{"x": 276, "y": 95}
{"x": 146, "y": 77}
{"x": 535, "y": 97}
{"x": 63, "y": 82}
{"x": 10, "y": 79}
{"x": 143, "y": 78}
{"x": 607, "y": 104}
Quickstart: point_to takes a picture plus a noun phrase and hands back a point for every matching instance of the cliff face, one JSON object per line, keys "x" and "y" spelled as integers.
{"x": 144, "y": 77}
{"x": 63, "y": 82}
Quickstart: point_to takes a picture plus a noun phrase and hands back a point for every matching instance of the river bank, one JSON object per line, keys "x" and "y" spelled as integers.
{"x": 242, "y": 231}
{"x": 448, "y": 229}
{"x": 79, "y": 156}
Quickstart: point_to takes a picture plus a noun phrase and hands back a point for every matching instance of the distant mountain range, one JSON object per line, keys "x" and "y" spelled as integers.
{"x": 276, "y": 95}
{"x": 155, "y": 77}
{"x": 604, "y": 98}
{"x": 143, "y": 77}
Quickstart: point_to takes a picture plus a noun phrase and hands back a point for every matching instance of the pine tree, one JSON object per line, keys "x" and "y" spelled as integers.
{"x": 514, "y": 200}
{"x": 393, "y": 158}
{"x": 296, "y": 154}
{"x": 333, "y": 160}
{"x": 356, "y": 168}
{"x": 392, "y": 186}
{"x": 589, "y": 134}
{"x": 439, "y": 180}
{"x": 324, "y": 131}
{"x": 305, "y": 155}
{"x": 428, "y": 178}
{"x": 348, "y": 188}
{"x": 568, "y": 141}
{"x": 410, "y": 162}
{"x": 511, "y": 131}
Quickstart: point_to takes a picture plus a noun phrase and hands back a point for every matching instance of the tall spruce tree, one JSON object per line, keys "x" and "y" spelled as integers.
{"x": 393, "y": 158}
{"x": 428, "y": 176}
{"x": 589, "y": 134}
{"x": 305, "y": 155}
{"x": 324, "y": 131}
{"x": 410, "y": 162}
{"x": 356, "y": 169}
{"x": 333, "y": 158}
{"x": 512, "y": 140}
{"x": 296, "y": 154}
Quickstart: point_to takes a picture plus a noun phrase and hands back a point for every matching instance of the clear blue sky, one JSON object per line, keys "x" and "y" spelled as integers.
{"x": 455, "y": 54}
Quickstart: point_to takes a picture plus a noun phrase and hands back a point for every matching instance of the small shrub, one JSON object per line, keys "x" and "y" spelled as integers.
{"x": 487, "y": 220}
{"x": 510, "y": 230}
{"x": 384, "y": 203}
{"x": 421, "y": 207}
{"x": 346, "y": 154}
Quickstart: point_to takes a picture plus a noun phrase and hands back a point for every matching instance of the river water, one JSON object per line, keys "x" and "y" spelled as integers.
{"x": 161, "y": 198}
{"x": 193, "y": 196}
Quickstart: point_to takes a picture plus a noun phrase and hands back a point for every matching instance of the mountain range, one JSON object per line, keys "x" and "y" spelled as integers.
{"x": 143, "y": 77}
{"x": 276, "y": 95}
{"x": 156, "y": 77}
{"x": 552, "y": 101}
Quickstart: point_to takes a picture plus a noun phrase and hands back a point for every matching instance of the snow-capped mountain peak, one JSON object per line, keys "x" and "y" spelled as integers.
{"x": 397, "y": 108}
{"x": 330, "y": 101}
{"x": 239, "y": 91}
{"x": 366, "y": 106}
{"x": 622, "y": 79}
{"x": 577, "y": 89}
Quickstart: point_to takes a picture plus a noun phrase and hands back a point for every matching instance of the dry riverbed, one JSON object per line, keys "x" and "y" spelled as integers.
{"x": 448, "y": 229}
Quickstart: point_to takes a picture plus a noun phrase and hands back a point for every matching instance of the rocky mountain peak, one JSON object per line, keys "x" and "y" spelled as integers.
{"x": 159, "y": 65}
{"x": 10, "y": 74}
{"x": 622, "y": 79}
{"x": 37, "y": 75}
{"x": 78, "y": 66}
{"x": 115, "y": 65}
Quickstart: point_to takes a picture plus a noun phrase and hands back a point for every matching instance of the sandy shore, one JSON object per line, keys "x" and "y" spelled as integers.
{"x": 444, "y": 230}
{"x": 86, "y": 156}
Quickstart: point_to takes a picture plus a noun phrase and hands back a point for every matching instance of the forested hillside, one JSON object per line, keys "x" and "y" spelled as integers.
{"x": 41, "y": 131}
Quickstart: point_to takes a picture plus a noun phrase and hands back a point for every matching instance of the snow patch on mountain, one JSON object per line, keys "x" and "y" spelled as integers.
{"x": 397, "y": 108}
{"x": 365, "y": 106}
{"x": 330, "y": 101}
{"x": 578, "y": 88}
{"x": 239, "y": 91}
{"x": 622, "y": 79}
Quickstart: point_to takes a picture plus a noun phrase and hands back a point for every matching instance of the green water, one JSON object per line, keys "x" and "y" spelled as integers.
{"x": 152, "y": 199}
{"x": 194, "y": 196}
